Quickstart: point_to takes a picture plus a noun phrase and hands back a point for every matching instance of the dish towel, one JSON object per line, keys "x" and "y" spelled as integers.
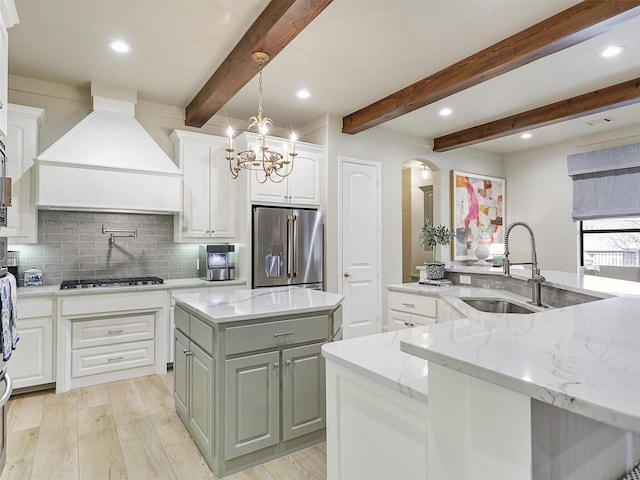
{"x": 634, "y": 474}
{"x": 9, "y": 315}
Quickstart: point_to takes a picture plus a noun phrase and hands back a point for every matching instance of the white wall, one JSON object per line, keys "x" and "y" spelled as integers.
{"x": 540, "y": 193}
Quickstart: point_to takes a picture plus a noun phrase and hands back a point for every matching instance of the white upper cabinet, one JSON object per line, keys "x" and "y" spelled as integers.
{"x": 22, "y": 147}
{"x": 8, "y": 18}
{"x": 208, "y": 191}
{"x": 302, "y": 187}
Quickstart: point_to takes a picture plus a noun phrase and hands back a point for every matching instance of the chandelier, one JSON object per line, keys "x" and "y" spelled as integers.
{"x": 268, "y": 164}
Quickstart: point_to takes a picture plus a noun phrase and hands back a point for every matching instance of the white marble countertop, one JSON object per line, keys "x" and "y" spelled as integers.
{"x": 584, "y": 358}
{"x": 168, "y": 284}
{"x": 379, "y": 357}
{"x": 238, "y": 305}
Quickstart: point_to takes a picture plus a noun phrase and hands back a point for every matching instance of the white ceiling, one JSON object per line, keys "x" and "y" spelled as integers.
{"x": 353, "y": 54}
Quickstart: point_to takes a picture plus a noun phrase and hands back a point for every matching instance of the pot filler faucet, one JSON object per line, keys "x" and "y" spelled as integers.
{"x": 536, "y": 279}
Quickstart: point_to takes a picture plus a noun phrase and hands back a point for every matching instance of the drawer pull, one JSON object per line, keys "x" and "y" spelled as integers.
{"x": 409, "y": 305}
{"x": 188, "y": 353}
{"x": 407, "y": 324}
{"x": 282, "y": 334}
{"x": 115, "y": 332}
{"x": 115, "y": 359}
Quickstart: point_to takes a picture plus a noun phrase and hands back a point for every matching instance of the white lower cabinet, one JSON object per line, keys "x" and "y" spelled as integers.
{"x": 415, "y": 309}
{"x": 31, "y": 364}
{"x": 265, "y": 395}
{"x": 109, "y": 336}
{"x": 373, "y": 431}
{"x": 409, "y": 310}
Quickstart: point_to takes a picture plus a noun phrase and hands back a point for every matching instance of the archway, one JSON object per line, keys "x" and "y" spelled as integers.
{"x": 420, "y": 201}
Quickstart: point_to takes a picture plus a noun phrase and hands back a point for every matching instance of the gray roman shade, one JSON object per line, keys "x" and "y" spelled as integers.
{"x": 606, "y": 183}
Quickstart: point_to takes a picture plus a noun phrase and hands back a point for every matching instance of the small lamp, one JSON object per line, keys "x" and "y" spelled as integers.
{"x": 497, "y": 252}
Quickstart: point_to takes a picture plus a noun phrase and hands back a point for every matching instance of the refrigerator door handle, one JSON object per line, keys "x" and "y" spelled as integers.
{"x": 290, "y": 219}
{"x": 295, "y": 246}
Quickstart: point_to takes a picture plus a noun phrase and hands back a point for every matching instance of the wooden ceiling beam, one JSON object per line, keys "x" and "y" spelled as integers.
{"x": 279, "y": 23}
{"x": 574, "y": 25}
{"x": 616, "y": 96}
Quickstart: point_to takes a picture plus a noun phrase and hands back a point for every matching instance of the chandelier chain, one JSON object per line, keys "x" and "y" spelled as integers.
{"x": 260, "y": 96}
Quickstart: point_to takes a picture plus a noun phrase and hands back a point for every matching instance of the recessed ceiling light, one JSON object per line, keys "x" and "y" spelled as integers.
{"x": 525, "y": 136}
{"x": 119, "y": 46}
{"x": 446, "y": 112}
{"x": 303, "y": 93}
{"x": 611, "y": 51}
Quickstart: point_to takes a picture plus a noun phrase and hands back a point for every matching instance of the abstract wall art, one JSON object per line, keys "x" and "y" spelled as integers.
{"x": 477, "y": 213}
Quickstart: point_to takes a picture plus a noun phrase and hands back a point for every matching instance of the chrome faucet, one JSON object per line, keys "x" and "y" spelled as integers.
{"x": 536, "y": 279}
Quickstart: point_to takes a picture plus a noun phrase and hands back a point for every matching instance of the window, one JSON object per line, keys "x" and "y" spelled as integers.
{"x": 610, "y": 241}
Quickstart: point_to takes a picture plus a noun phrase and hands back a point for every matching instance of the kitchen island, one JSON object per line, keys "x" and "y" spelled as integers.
{"x": 552, "y": 394}
{"x": 249, "y": 377}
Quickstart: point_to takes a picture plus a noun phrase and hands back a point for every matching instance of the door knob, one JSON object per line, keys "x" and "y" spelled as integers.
{"x": 347, "y": 274}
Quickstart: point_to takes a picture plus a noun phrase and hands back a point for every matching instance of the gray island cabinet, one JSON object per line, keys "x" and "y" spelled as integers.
{"x": 249, "y": 377}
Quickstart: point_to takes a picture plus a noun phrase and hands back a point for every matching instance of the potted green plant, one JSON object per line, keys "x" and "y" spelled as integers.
{"x": 432, "y": 236}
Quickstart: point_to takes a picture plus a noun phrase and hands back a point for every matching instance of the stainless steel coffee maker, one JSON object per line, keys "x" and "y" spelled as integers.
{"x": 217, "y": 262}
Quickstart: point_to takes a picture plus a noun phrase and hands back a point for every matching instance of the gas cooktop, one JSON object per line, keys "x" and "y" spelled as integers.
{"x": 110, "y": 282}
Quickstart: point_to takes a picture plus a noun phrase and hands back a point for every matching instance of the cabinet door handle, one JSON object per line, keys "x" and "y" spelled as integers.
{"x": 115, "y": 359}
{"x": 276, "y": 364}
{"x": 282, "y": 334}
{"x": 407, "y": 324}
{"x": 288, "y": 362}
{"x": 188, "y": 353}
{"x": 115, "y": 332}
{"x": 409, "y": 305}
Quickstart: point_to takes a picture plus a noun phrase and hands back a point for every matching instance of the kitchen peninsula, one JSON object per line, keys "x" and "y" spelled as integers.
{"x": 551, "y": 394}
{"x": 249, "y": 374}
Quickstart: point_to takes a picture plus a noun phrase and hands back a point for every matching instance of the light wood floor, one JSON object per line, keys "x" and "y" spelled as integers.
{"x": 121, "y": 430}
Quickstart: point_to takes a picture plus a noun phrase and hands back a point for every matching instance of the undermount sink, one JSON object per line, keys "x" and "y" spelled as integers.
{"x": 492, "y": 305}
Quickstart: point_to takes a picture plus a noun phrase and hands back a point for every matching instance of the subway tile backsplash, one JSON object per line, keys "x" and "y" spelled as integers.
{"x": 71, "y": 245}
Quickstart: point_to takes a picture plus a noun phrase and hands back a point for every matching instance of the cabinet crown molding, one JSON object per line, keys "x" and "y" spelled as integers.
{"x": 31, "y": 113}
{"x": 182, "y": 135}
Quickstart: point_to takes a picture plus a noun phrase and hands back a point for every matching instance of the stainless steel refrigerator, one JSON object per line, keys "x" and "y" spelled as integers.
{"x": 287, "y": 247}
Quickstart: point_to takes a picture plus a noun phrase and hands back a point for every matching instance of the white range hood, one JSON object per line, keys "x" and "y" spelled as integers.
{"x": 108, "y": 162}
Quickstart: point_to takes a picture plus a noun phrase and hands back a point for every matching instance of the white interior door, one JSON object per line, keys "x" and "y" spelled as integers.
{"x": 361, "y": 247}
